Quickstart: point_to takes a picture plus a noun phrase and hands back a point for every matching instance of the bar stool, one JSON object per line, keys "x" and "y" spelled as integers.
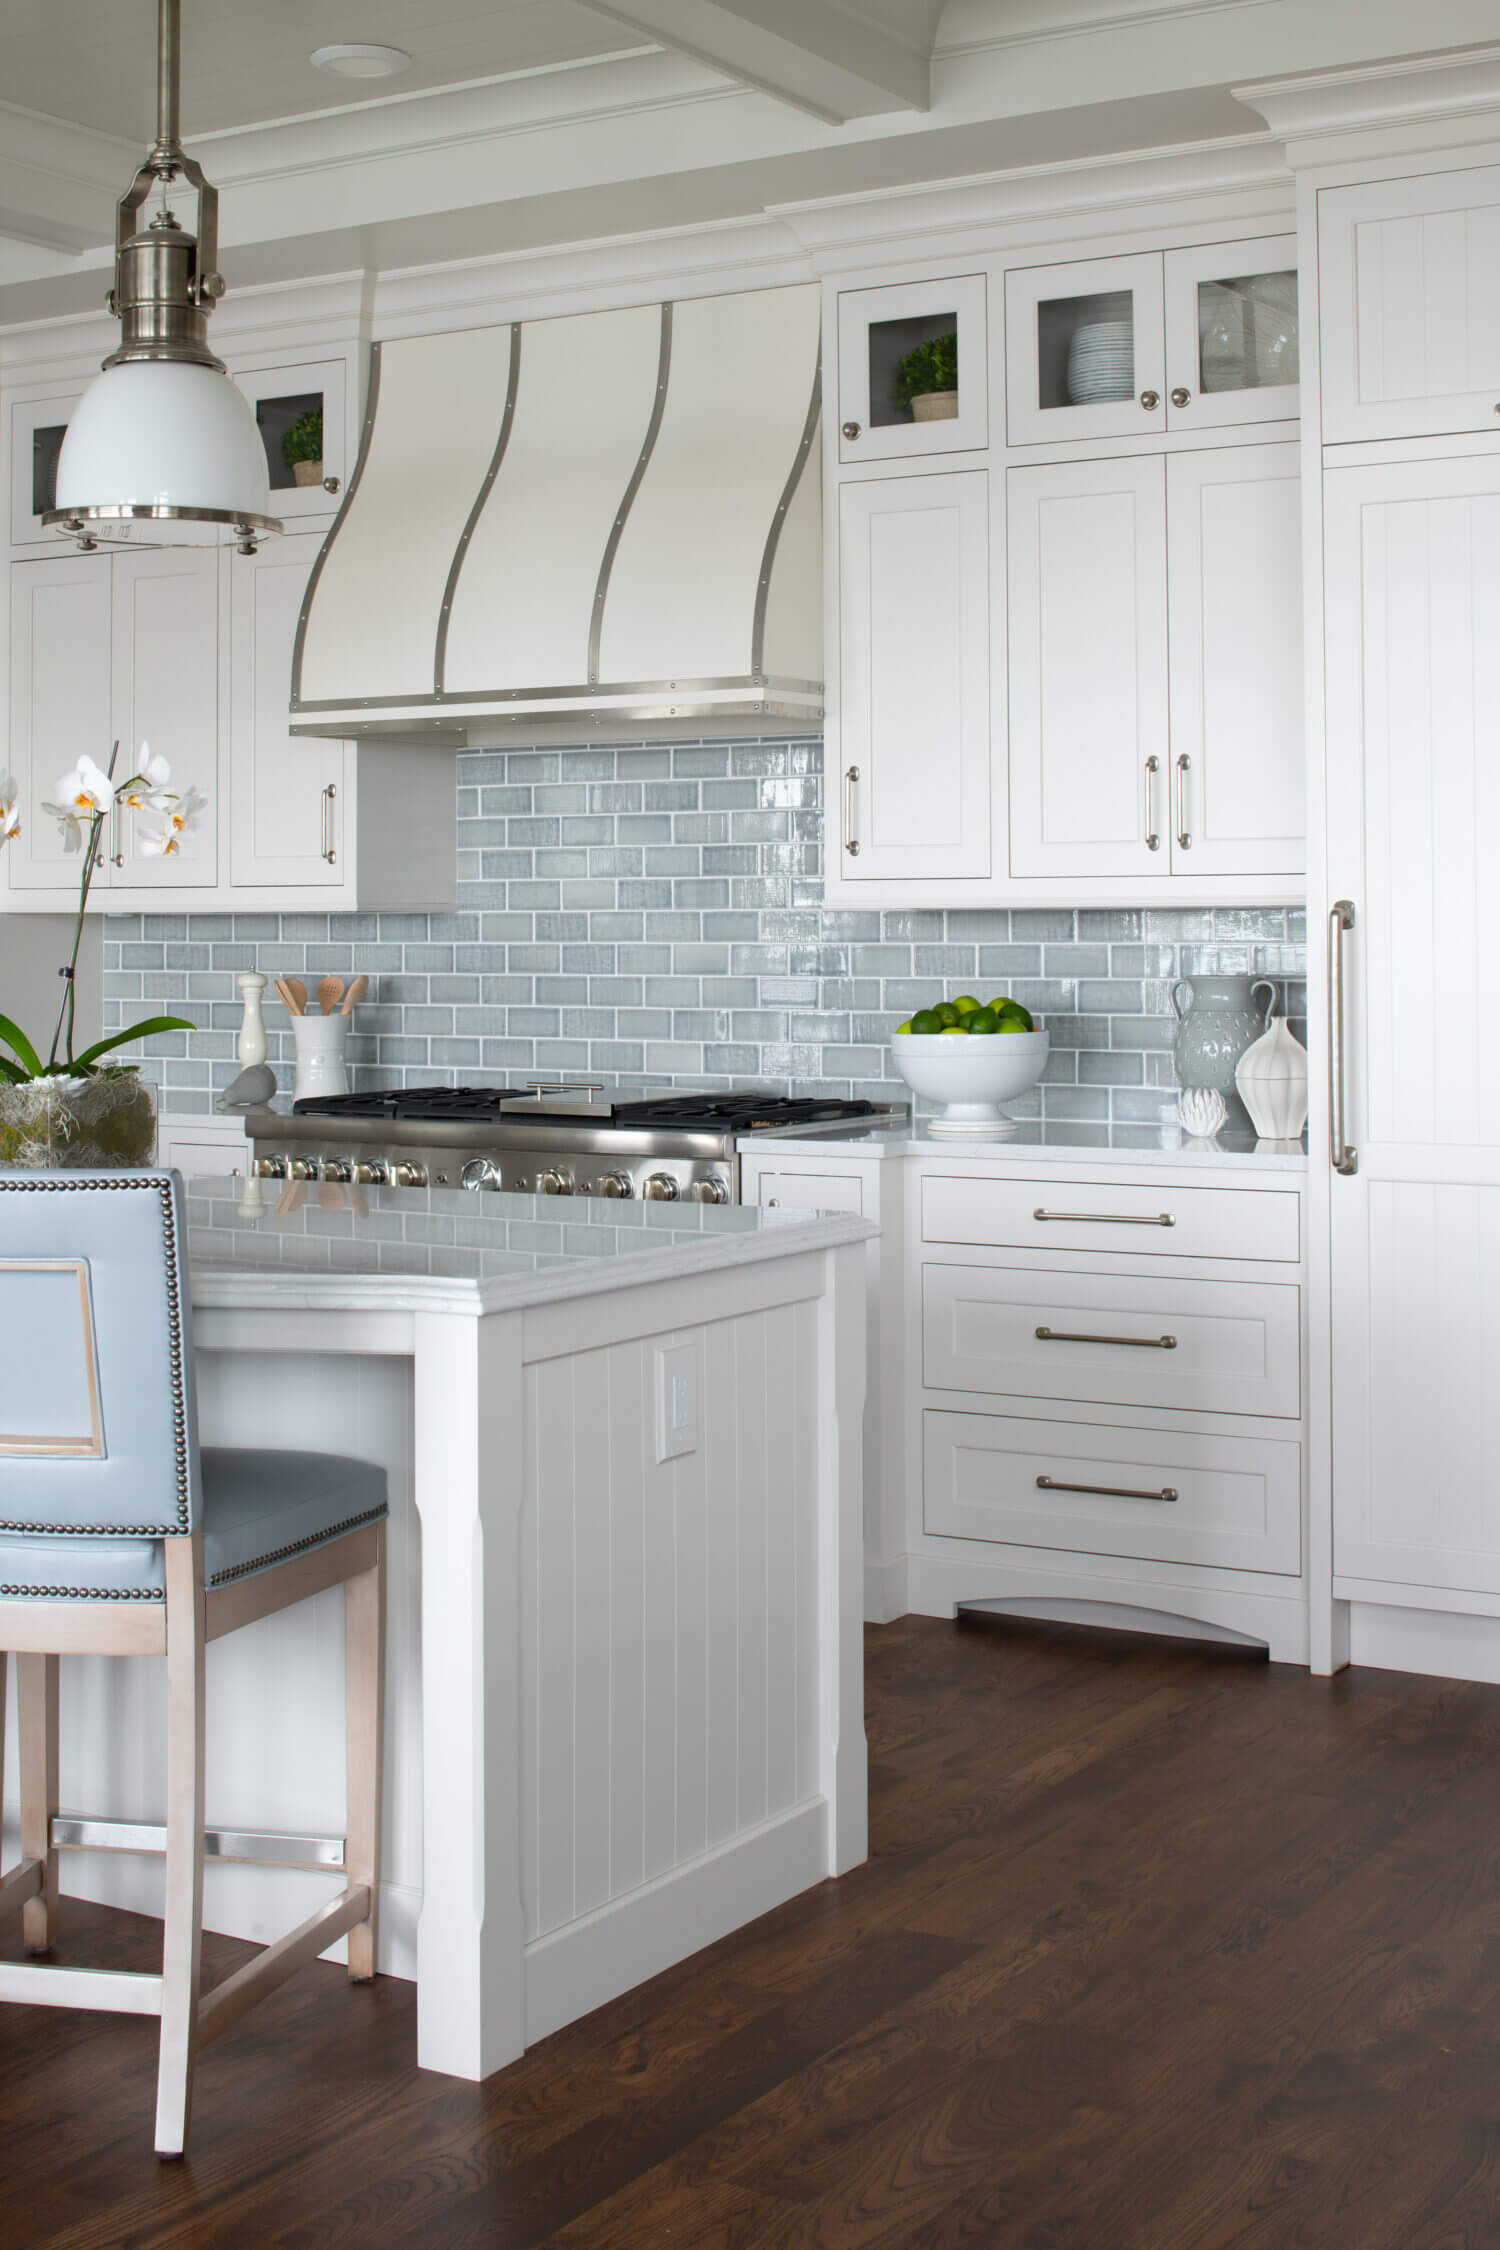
{"x": 119, "y": 1537}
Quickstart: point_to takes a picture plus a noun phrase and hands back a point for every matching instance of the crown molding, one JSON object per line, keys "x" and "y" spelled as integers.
{"x": 1081, "y": 20}
{"x": 296, "y": 316}
{"x": 59, "y": 183}
{"x": 1459, "y": 89}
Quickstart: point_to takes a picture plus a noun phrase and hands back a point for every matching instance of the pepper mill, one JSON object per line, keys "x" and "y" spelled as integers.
{"x": 252, "y": 1041}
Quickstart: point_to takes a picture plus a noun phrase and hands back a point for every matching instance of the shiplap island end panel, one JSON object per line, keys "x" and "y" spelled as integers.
{"x": 624, "y": 1662}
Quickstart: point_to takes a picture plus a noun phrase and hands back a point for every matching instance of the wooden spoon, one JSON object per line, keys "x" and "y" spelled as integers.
{"x": 355, "y": 994}
{"x": 292, "y": 994}
{"x": 330, "y": 993}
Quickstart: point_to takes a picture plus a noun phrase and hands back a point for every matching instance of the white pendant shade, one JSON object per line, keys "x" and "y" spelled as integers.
{"x": 169, "y": 435}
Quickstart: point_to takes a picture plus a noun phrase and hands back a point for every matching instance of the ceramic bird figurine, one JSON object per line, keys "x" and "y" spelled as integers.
{"x": 251, "y": 1090}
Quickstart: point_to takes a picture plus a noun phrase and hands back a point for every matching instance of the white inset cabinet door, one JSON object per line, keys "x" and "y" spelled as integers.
{"x": 1084, "y": 350}
{"x": 165, "y": 604}
{"x": 59, "y": 705}
{"x": 288, "y": 815}
{"x": 1232, "y": 336}
{"x": 1413, "y": 695}
{"x": 1088, "y": 668}
{"x": 879, "y": 332}
{"x": 1234, "y": 576}
{"x": 912, "y": 770}
{"x": 1409, "y": 311}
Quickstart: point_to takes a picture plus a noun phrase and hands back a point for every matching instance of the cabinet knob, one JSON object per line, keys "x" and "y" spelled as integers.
{"x": 852, "y": 429}
{"x": 1151, "y": 400}
{"x": 331, "y": 484}
{"x": 1180, "y": 397}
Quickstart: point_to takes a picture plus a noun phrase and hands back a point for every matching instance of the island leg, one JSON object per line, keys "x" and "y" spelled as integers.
{"x": 471, "y": 1976}
{"x": 841, "y": 1508}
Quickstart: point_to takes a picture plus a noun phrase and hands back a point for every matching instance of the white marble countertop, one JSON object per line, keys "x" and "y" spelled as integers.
{"x": 1055, "y": 1143}
{"x": 384, "y": 1249}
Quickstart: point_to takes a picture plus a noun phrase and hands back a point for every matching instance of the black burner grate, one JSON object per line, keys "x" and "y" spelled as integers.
{"x": 480, "y": 1105}
{"x": 739, "y": 1113}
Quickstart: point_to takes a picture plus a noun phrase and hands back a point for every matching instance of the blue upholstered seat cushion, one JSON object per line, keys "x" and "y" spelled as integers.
{"x": 259, "y": 1508}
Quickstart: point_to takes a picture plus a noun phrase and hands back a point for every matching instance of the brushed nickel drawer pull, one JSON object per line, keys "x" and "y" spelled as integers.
{"x": 1107, "y": 1218}
{"x": 1142, "y": 1343}
{"x": 1342, "y": 1157}
{"x": 1107, "y": 1491}
{"x": 851, "y": 841}
{"x": 1153, "y": 836}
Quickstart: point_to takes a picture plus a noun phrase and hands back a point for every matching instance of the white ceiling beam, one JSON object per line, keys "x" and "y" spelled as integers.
{"x": 807, "y": 53}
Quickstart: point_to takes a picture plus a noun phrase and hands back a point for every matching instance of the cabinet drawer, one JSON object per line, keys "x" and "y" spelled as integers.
{"x": 1161, "y": 1495}
{"x": 1217, "y": 1347}
{"x": 811, "y": 1191}
{"x": 1176, "y": 1222}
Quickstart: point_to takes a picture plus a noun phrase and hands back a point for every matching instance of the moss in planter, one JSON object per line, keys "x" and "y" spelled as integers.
{"x": 929, "y": 366}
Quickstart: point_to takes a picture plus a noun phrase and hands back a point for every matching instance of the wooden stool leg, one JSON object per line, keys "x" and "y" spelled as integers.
{"x": 364, "y": 1703}
{"x": 36, "y": 1703}
{"x": 182, "y": 1933}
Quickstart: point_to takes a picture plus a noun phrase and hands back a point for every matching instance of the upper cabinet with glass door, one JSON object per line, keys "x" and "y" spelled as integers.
{"x": 304, "y": 414}
{"x": 1119, "y": 347}
{"x": 37, "y": 429}
{"x": 912, "y": 370}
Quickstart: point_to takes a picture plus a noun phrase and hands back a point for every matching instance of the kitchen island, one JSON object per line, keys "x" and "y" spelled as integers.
{"x": 624, "y": 1671}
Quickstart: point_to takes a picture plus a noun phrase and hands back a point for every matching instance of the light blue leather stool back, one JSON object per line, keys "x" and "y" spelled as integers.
{"x": 98, "y": 1428}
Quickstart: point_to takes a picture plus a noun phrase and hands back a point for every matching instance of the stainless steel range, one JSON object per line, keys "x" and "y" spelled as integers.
{"x": 555, "y": 1137}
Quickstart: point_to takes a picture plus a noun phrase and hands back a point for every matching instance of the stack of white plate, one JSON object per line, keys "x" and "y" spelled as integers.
{"x": 1101, "y": 361}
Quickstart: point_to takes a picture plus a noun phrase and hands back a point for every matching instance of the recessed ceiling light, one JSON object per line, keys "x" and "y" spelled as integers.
{"x": 361, "y": 62}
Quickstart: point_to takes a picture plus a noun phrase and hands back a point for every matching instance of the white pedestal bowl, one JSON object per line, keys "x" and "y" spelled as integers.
{"x": 971, "y": 1076}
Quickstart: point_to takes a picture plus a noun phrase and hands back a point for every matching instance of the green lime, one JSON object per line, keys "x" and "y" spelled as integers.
{"x": 980, "y": 1020}
{"x": 955, "y": 1031}
{"x": 965, "y": 1002}
{"x": 904, "y": 1026}
{"x": 1020, "y": 1016}
{"x": 946, "y": 1013}
{"x": 925, "y": 1022}
{"x": 1011, "y": 1023}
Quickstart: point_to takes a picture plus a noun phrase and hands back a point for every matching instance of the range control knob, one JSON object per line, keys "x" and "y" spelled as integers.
{"x": 336, "y": 1168}
{"x": 481, "y": 1172}
{"x": 408, "y": 1175}
{"x": 660, "y": 1187}
{"x": 711, "y": 1190}
{"x": 614, "y": 1183}
{"x": 270, "y": 1167}
{"x": 304, "y": 1168}
{"x": 553, "y": 1183}
{"x": 376, "y": 1173}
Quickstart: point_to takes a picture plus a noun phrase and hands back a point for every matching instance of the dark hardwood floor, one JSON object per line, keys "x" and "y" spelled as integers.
{"x": 1156, "y": 1950}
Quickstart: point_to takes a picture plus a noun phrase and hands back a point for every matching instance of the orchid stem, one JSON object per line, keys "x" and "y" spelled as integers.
{"x": 67, "y": 1013}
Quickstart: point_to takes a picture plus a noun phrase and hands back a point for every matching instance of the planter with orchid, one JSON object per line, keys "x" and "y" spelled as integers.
{"x": 71, "y": 1109}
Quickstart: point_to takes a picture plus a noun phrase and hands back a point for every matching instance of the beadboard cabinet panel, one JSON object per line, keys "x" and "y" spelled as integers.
{"x": 912, "y": 762}
{"x": 1088, "y": 668}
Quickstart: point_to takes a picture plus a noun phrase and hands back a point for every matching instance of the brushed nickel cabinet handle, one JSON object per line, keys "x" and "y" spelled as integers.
{"x": 851, "y": 430}
{"x": 851, "y": 842}
{"x": 1153, "y": 834}
{"x": 1183, "y": 838}
{"x": 1151, "y": 400}
{"x": 1140, "y": 1343}
{"x": 1181, "y": 397}
{"x": 117, "y": 854}
{"x": 1107, "y": 1218}
{"x": 331, "y": 484}
{"x": 1107, "y": 1491}
{"x": 1342, "y": 1157}
{"x": 326, "y": 842}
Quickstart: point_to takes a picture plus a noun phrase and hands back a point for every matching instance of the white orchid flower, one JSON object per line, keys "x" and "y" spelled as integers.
{"x": 10, "y": 808}
{"x": 148, "y": 784}
{"x": 81, "y": 794}
{"x": 182, "y": 817}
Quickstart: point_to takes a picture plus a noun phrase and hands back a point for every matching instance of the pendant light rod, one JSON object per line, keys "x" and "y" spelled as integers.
{"x": 169, "y": 77}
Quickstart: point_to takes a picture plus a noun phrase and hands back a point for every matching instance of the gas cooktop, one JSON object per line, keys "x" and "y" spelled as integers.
{"x": 479, "y": 1105}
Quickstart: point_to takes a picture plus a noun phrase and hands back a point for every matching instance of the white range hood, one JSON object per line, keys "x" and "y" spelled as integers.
{"x": 609, "y": 520}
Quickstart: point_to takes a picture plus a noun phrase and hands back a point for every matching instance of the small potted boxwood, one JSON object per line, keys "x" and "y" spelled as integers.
{"x": 302, "y": 448}
{"x": 927, "y": 379}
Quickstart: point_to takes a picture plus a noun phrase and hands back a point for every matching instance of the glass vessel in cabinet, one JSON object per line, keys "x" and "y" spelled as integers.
{"x": 912, "y": 369}
{"x": 1232, "y": 333}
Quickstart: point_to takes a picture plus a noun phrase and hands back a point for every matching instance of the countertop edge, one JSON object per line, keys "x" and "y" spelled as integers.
{"x": 1014, "y": 1153}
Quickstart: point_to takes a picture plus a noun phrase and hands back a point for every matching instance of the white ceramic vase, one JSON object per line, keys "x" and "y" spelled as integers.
{"x": 320, "y": 1055}
{"x": 1271, "y": 1077}
{"x": 1201, "y": 1111}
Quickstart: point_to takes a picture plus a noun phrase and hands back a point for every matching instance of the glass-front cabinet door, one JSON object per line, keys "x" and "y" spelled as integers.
{"x": 1084, "y": 354}
{"x": 37, "y": 429}
{"x": 912, "y": 369}
{"x": 1231, "y": 311}
{"x": 297, "y": 409}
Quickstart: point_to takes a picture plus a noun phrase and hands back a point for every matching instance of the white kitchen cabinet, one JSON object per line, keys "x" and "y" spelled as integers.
{"x": 876, "y": 330}
{"x": 287, "y": 804}
{"x": 1087, "y": 546}
{"x": 280, "y": 395}
{"x": 36, "y": 429}
{"x": 207, "y": 1147}
{"x": 61, "y": 700}
{"x": 1156, "y": 666}
{"x": 909, "y": 725}
{"x": 1203, "y": 338}
{"x": 1234, "y": 629}
{"x": 1412, "y": 579}
{"x": 164, "y": 665}
{"x": 1409, "y": 315}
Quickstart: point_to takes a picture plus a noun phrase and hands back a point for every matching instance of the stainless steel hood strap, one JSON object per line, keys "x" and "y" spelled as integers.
{"x": 440, "y": 651}
{"x": 648, "y": 447}
{"x": 372, "y": 400}
{"x": 773, "y": 536}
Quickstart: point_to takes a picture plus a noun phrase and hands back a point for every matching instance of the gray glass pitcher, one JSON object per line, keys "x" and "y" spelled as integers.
{"x": 1215, "y": 1024}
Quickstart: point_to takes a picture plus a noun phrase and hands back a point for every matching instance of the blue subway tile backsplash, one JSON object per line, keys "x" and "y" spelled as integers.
{"x": 656, "y": 911}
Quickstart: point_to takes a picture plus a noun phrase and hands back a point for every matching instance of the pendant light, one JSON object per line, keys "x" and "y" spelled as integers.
{"x": 163, "y": 449}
